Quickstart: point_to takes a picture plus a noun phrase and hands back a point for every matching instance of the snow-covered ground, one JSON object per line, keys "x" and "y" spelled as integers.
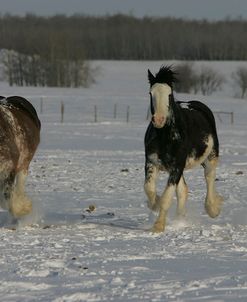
{"x": 62, "y": 252}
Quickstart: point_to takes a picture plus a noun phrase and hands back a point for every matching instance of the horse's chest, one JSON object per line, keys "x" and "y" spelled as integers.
{"x": 164, "y": 162}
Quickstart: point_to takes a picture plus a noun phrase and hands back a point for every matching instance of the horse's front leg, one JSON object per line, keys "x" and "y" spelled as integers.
{"x": 213, "y": 199}
{"x": 166, "y": 201}
{"x": 151, "y": 174}
{"x": 182, "y": 195}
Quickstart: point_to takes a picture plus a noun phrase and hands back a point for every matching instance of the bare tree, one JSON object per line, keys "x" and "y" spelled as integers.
{"x": 186, "y": 77}
{"x": 209, "y": 80}
{"x": 240, "y": 79}
{"x": 33, "y": 70}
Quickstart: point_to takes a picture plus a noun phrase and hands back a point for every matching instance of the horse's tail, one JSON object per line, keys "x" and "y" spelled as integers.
{"x": 208, "y": 114}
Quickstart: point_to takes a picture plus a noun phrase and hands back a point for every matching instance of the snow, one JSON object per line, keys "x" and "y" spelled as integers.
{"x": 64, "y": 252}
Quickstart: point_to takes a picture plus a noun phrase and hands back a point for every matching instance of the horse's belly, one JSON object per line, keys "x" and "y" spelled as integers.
{"x": 193, "y": 161}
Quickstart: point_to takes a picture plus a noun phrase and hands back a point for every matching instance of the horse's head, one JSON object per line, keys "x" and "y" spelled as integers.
{"x": 161, "y": 95}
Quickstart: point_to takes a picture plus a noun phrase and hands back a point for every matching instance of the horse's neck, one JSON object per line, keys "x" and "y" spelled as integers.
{"x": 174, "y": 125}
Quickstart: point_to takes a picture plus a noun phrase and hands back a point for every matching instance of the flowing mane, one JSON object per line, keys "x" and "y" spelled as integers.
{"x": 164, "y": 76}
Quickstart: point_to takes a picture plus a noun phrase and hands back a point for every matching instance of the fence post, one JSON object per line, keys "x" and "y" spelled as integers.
{"x": 218, "y": 114}
{"x": 62, "y": 111}
{"x": 41, "y": 105}
{"x": 95, "y": 114}
{"x": 230, "y": 114}
{"x": 128, "y": 114}
{"x": 115, "y": 111}
{"x": 232, "y": 118}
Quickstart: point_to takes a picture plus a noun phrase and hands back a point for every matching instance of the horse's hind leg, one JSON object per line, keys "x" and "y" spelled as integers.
{"x": 182, "y": 195}
{"x": 7, "y": 185}
{"x": 213, "y": 199}
{"x": 151, "y": 172}
{"x": 20, "y": 204}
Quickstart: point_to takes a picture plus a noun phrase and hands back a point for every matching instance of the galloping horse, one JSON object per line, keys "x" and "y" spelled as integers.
{"x": 19, "y": 138}
{"x": 180, "y": 136}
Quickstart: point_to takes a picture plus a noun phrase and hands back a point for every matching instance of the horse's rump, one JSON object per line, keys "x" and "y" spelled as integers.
{"x": 22, "y": 104}
{"x": 20, "y": 132}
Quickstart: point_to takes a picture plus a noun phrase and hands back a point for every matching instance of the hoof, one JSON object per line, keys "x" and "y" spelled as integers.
{"x": 213, "y": 208}
{"x": 154, "y": 206}
{"x": 180, "y": 214}
{"x": 22, "y": 211}
{"x": 20, "y": 206}
{"x": 158, "y": 228}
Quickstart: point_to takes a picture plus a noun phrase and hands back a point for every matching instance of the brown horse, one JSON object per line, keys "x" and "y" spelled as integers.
{"x": 19, "y": 139}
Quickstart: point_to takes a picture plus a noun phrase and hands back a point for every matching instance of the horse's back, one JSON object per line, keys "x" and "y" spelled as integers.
{"x": 24, "y": 105}
{"x": 200, "y": 122}
{"x": 205, "y": 110}
{"x": 198, "y": 114}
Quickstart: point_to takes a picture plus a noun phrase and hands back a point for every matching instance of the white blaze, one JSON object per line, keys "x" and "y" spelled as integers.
{"x": 160, "y": 98}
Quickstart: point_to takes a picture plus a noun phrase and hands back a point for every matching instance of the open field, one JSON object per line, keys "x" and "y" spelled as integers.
{"x": 62, "y": 252}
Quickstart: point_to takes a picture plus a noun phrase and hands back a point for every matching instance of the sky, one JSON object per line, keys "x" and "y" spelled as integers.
{"x": 190, "y": 9}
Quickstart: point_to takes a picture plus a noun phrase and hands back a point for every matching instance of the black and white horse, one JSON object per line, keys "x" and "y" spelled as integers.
{"x": 180, "y": 136}
{"x": 19, "y": 139}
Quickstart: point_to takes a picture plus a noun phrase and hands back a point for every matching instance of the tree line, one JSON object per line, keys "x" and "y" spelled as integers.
{"x": 124, "y": 37}
{"x": 54, "y": 51}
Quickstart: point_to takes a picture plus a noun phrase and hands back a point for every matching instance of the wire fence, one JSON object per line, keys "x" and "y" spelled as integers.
{"x": 77, "y": 110}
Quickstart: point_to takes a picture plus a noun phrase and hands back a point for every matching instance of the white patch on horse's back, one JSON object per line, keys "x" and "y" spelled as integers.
{"x": 160, "y": 96}
{"x": 192, "y": 162}
{"x": 184, "y": 105}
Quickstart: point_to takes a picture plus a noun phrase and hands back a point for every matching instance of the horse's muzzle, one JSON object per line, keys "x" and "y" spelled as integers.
{"x": 158, "y": 121}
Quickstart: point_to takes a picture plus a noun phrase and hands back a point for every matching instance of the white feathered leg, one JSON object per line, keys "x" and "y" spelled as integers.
{"x": 213, "y": 199}
{"x": 182, "y": 195}
{"x": 20, "y": 204}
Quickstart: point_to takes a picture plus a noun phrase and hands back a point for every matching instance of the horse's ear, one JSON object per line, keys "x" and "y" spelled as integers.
{"x": 151, "y": 78}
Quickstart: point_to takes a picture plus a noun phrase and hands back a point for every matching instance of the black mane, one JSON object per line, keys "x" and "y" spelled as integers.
{"x": 164, "y": 76}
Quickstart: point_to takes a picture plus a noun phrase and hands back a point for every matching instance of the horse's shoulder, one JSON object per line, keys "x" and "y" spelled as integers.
{"x": 21, "y": 103}
{"x": 150, "y": 134}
